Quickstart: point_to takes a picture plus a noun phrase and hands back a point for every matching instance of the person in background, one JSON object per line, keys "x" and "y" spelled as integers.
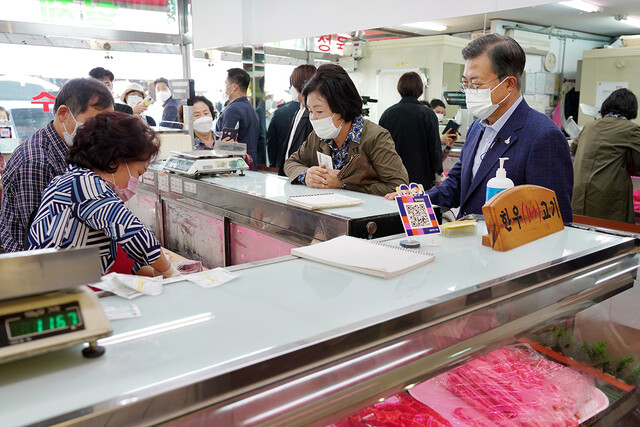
{"x": 85, "y": 205}
{"x": 4, "y": 115}
{"x": 414, "y": 129}
{"x": 107, "y": 77}
{"x": 41, "y": 157}
{"x": 169, "y": 105}
{"x": 279, "y": 128}
{"x": 604, "y": 151}
{"x": 261, "y": 111}
{"x": 506, "y": 127}
{"x": 449, "y": 138}
{"x": 239, "y": 114}
{"x": 133, "y": 95}
{"x": 341, "y": 132}
{"x": 425, "y": 103}
{"x": 203, "y": 116}
{"x": 300, "y": 128}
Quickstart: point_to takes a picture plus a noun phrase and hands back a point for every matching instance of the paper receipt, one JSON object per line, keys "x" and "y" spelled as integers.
{"x": 324, "y": 159}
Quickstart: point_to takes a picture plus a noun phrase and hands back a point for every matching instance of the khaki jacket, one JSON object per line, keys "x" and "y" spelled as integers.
{"x": 602, "y": 185}
{"x": 375, "y": 143}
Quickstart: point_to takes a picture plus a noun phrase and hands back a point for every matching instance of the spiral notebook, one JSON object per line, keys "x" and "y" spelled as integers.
{"x": 364, "y": 256}
{"x": 323, "y": 201}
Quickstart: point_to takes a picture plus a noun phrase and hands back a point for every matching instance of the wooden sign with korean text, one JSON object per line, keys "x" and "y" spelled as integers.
{"x": 520, "y": 215}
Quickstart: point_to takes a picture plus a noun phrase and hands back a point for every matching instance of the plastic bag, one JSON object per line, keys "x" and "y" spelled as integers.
{"x": 188, "y": 266}
{"x": 513, "y": 385}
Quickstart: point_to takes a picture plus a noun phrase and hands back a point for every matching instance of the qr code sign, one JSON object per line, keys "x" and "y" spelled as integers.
{"x": 417, "y": 215}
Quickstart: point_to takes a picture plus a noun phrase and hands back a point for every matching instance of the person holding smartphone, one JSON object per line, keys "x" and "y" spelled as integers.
{"x": 135, "y": 98}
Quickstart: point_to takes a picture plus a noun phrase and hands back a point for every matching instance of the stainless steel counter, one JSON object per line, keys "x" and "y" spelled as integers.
{"x": 231, "y": 219}
{"x": 293, "y": 342}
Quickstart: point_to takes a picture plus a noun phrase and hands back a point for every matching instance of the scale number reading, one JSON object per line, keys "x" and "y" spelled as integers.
{"x": 41, "y": 323}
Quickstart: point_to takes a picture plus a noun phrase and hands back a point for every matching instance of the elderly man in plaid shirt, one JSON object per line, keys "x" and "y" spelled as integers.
{"x": 42, "y": 157}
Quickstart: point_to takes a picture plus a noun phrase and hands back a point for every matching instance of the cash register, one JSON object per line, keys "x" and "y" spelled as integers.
{"x": 45, "y": 304}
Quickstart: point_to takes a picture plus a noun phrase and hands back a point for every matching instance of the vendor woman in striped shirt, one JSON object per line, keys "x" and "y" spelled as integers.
{"x": 85, "y": 205}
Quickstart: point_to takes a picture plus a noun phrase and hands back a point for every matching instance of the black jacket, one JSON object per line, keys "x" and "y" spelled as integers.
{"x": 301, "y": 133}
{"x": 279, "y": 128}
{"x": 414, "y": 129}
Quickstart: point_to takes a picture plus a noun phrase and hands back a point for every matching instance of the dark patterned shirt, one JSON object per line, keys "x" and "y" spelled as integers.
{"x": 339, "y": 155}
{"x": 80, "y": 209}
{"x": 30, "y": 169}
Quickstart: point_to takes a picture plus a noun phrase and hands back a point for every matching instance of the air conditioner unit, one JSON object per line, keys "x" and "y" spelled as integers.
{"x": 533, "y": 43}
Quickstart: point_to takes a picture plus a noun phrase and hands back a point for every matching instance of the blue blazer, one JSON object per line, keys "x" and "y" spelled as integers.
{"x": 538, "y": 154}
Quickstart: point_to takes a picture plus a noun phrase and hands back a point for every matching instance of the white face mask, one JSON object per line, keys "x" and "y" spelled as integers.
{"x": 68, "y": 137}
{"x": 480, "y": 104}
{"x": 133, "y": 100}
{"x": 325, "y": 128}
{"x": 440, "y": 116}
{"x": 294, "y": 93}
{"x": 203, "y": 124}
{"x": 164, "y": 95}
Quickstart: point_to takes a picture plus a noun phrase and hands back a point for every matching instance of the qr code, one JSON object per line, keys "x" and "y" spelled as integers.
{"x": 418, "y": 215}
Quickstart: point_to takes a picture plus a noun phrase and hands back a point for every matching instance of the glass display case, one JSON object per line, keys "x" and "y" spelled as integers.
{"x": 295, "y": 342}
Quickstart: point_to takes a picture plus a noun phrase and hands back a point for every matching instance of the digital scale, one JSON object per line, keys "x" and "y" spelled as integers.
{"x": 224, "y": 158}
{"x": 45, "y": 305}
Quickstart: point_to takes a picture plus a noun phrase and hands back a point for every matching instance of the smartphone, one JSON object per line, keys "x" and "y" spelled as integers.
{"x": 230, "y": 133}
{"x": 451, "y": 125}
{"x": 148, "y": 101}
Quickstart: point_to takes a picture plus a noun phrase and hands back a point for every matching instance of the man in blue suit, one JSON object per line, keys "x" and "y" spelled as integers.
{"x": 537, "y": 150}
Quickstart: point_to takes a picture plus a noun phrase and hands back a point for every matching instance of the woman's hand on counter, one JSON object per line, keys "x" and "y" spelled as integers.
{"x": 171, "y": 272}
{"x": 391, "y": 196}
{"x": 316, "y": 177}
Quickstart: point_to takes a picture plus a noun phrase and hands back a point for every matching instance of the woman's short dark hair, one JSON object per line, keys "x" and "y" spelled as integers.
{"x": 239, "y": 77}
{"x": 301, "y": 75}
{"x": 507, "y": 56}
{"x": 334, "y": 85}
{"x": 198, "y": 98}
{"x": 435, "y": 102}
{"x": 80, "y": 94}
{"x": 410, "y": 84}
{"x": 110, "y": 139}
{"x": 425, "y": 103}
{"x": 621, "y": 101}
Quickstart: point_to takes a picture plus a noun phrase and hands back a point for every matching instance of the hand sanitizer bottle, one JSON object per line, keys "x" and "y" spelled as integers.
{"x": 500, "y": 182}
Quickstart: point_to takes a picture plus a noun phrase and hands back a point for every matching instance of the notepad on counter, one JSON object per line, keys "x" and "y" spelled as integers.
{"x": 364, "y": 256}
{"x": 323, "y": 201}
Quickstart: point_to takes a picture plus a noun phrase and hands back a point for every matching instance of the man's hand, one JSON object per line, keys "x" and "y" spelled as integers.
{"x": 139, "y": 108}
{"x": 449, "y": 138}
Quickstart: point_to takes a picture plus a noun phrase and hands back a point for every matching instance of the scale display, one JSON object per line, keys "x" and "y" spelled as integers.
{"x": 41, "y": 323}
{"x": 204, "y": 162}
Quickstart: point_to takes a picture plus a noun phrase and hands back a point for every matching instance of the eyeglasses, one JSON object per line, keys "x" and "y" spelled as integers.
{"x": 473, "y": 88}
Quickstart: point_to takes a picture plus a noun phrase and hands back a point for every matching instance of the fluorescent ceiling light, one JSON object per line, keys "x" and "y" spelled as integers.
{"x": 631, "y": 21}
{"x": 582, "y": 5}
{"x": 427, "y": 26}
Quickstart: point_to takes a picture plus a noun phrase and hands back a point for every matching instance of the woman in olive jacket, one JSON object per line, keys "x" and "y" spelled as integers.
{"x": 604, "y": 151}
{"x": 341, "y": 132}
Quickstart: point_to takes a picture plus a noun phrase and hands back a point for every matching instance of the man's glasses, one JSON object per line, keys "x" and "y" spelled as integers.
{"x": 473, "y": 88}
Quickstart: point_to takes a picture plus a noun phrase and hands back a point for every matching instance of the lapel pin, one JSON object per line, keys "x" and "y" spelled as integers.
{"x": 508, "y": 140}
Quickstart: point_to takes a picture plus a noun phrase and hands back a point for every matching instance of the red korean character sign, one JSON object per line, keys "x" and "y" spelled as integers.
{"x": 44, "y": 98}
{"x": 331, "y": 43}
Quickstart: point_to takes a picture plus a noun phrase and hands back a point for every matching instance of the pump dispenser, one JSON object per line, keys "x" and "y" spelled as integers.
{"x": 500, "y": 182}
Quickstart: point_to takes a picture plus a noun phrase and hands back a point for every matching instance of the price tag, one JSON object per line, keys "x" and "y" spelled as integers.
{"x": 190, "y": 187}
{"x": 149, "y": 178}
{"x": 163, "y": 182}
{"x": 176, "y": 185}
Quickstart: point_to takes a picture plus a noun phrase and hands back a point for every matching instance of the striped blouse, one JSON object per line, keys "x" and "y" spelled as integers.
{"x": 80, "y": 209}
